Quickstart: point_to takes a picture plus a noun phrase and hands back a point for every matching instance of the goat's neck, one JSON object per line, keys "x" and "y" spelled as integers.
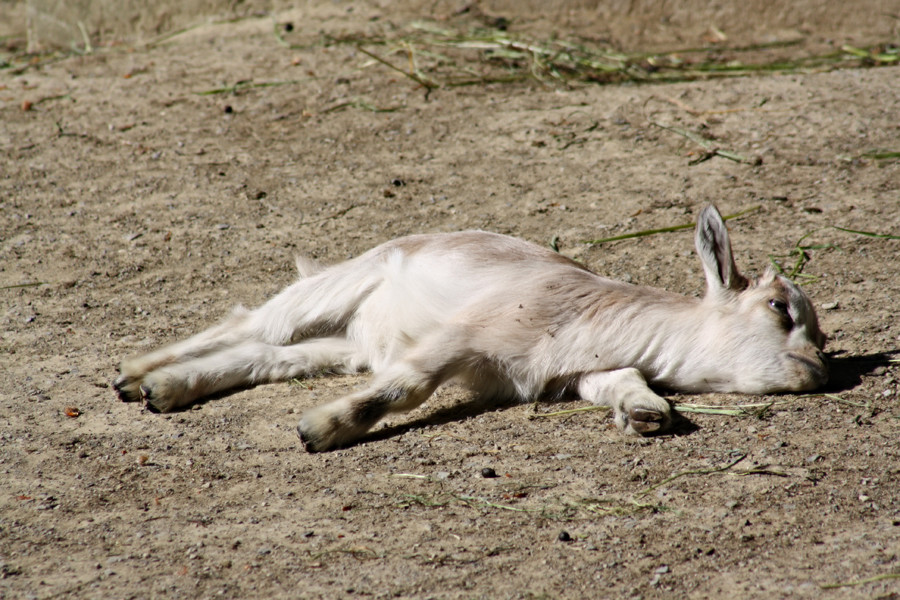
{"x": 673, "y": 340}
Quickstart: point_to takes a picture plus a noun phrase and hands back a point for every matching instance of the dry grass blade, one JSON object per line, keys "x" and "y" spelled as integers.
{"x": 711, "y": 149}
{"x": 422, "y": 500}
{"x": 249, "y": 84}
{"x": 887, "y": 56}
{"x": 885, "y": 236}
{"x": 686, "y": 473}
{"x": 335, "y": 215}
{"x": 801, "y": 258}
{"x": 609, "y": 507}
{"x": 709, "y": 410}
{"x": 479, "y": 56}
{"x": 22, "y": 285}
{"x": 426, "y": 83}
{"x": 837, "y": 398}
{"x": 832, "y": 586}
{"x": 571, "y": 411}
{"x": 647, "y": 232}
{"x": 482, "y": 503}
{"x": 444, "y": 434}
{"x": 737, "y": 410}
{"x": 169, "y": 36}
{"x": 880, "y": 154}
{"x": 359, "y": 103}
{"x": 360, "y": 553}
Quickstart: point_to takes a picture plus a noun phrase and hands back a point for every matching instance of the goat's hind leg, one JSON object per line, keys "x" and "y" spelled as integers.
{"x": 637, "y": 410}
{"x": 179, "y": 384}
{"x": 314, "y": 305}
{"x": 402, "y": 386}
{"x": 345, "y": 420}
{"x": 133, "y": 370}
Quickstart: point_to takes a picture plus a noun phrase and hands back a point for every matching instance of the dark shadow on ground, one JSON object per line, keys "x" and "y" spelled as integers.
{"x": 459, "y": 412}
{"x": 478, "y": 406}
{"x": 847, "y": 371}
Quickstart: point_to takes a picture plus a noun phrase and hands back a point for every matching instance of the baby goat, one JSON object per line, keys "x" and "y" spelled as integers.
{"x": 506, "y": 318}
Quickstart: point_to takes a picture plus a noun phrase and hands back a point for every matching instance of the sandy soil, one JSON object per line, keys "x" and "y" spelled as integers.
{"x": 136, "y": 211}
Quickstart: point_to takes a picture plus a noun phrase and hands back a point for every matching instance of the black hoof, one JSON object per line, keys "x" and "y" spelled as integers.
{"x": 646, "y": 422}
{"x": 121, "y": 385}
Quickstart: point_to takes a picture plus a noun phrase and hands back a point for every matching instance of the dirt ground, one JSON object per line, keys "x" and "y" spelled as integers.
{"x": 135, "y": 210}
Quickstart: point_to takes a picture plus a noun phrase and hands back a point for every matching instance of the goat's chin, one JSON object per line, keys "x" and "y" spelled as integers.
{"x": 807, "y": 371}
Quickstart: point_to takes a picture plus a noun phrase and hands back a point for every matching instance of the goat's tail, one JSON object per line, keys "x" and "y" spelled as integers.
{"x": 319, "y": 304}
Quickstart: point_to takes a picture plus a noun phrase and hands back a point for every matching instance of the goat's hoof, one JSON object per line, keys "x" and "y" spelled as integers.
{"x": 321, "y": 429}
{"x": 155, "y": 401}
{"x": 643, "y": 421}
{"x": 311, "y": 443}
{"x": 127, "y": 388}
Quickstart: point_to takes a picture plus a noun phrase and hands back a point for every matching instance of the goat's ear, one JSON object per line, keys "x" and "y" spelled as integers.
{"x": 714, "y": 249}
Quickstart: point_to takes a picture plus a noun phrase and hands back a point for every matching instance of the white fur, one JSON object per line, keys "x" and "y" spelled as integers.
{"x": 505, "y": 317}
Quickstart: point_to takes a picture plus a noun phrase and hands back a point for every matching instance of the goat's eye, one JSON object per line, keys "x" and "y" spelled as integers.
{"x": 781, "y": 307}
{"x": 778, "y": 305}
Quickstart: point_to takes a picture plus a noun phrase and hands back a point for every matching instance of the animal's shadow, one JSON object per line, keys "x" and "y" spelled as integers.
{"x": 442, "y": 416}
{"x": 846, "y": 372}
{"x": 479, "y": 406}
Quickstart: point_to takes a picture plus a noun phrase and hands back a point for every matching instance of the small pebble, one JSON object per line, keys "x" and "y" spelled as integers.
{"x": 564, "y": 536}
{"x": 829, "y": 305}
{"x": 488, "y": 473}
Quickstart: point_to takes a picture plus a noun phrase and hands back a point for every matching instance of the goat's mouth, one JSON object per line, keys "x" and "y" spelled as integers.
{"x": 816, "y": 367}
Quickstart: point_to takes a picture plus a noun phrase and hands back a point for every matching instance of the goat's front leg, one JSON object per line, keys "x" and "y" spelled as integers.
{"x": 636, "y": 409}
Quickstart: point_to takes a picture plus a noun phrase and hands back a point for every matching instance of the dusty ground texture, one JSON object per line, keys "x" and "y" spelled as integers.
{"x": 135, "y": 211}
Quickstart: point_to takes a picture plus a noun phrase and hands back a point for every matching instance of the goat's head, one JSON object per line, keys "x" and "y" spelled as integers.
{"x": 768, "y": 327}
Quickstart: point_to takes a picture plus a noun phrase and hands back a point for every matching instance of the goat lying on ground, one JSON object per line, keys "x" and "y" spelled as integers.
{"x": 506, "y": 318}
